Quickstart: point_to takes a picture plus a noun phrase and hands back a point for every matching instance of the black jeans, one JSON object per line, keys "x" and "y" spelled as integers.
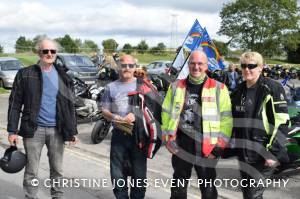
{"x": 183, "y": 165}
{"x": 262, "y": 172}
{"x": 183, "y": 170}
{"x": 123, "y": 147}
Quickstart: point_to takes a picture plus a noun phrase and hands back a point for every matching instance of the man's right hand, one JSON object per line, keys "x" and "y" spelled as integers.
{"x": 13, "y": 139}
{"x": 129, "y": 118}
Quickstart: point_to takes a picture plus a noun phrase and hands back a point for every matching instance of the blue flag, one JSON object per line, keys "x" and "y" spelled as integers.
{"x": 197, "y": 38}
{"x": 214, "y": 59}
{"x": 190, "y": 43}
{"x": 194, "y": 37}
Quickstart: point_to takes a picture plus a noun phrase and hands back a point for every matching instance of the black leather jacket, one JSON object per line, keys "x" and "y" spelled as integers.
{"x": 256, "y": 133}
{"x": 26, "y": 98}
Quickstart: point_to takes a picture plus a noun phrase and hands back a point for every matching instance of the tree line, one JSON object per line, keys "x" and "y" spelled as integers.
{"x": 71, "y": 45}
{"x": 67, "y": 44}
{"x": 268, "y": 27}
{"x": 271, "y": 28}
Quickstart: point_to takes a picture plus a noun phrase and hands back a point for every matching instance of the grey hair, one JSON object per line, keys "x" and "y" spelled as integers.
{"x": 41, "y": 39}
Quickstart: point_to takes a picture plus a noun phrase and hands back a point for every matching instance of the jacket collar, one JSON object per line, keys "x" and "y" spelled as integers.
{"x": 62, "y": 74}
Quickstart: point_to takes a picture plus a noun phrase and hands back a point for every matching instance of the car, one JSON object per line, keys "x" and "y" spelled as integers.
{"x": 9, "y": 67}
{"x": 78, "y": 66}
{"x": 158, "y": 67}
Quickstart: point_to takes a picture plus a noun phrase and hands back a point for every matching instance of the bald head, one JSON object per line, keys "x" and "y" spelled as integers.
{"x": 198, "y": 54}
{"x": 198, "y": 64}
{"x": 127, "y": 58}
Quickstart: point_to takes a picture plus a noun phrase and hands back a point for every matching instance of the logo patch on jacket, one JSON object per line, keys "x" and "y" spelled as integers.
{"x": 281, "y": 96}
{"x": 240, "y": 108}
{"x": 177, "y": 107}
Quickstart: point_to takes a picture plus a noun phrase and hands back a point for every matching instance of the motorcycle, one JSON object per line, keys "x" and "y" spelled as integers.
{"x": 266, "y": 72}
{"x": 87, "y": 109}
{"x": 275, "y": 72}
{"x": 293, "y": 136}
{"x": 293, "y": 148}
{"x": 102, "y": 127}
{"x": 86, "y": 98}
{"x": 100, "y": 130}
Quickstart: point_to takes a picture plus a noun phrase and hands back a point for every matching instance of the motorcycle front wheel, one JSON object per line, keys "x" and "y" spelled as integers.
{"x": 100, "y": 131}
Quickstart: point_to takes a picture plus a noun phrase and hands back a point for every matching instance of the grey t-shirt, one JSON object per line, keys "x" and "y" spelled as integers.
{"x": 115, "y": 97}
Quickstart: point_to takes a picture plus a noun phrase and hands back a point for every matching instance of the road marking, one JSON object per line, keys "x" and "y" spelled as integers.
{"x": 3, "y": 128}
{"x": 88, "y": 157}
{"x": 106, "y": 166}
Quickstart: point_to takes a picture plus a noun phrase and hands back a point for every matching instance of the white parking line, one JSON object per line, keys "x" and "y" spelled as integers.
{"x": 105, "y": 164}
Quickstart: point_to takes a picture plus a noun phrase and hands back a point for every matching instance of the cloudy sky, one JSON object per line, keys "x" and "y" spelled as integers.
{"x": 127, "y": 21}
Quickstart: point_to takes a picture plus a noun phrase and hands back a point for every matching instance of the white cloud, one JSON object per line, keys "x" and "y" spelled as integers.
{"x": 202, "y": 6}
{"x": 127, "y": 21}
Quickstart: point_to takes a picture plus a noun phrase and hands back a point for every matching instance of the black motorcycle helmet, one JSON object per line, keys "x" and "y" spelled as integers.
{"x": 13, "y": 160}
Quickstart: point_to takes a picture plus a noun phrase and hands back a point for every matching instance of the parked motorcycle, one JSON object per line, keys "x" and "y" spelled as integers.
{"x": 86, "y": 98}
{"x": 106, "y": 75}
{"x": 266, "y": 72}
{"x": 100, "y": 130}
{"x": 293, "y": 136}
{"x": 275, "y": 72}
{"x": 293, "y": 148}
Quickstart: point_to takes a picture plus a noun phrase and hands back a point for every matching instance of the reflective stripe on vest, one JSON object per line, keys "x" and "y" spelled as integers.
{"x": 210, "y": 108}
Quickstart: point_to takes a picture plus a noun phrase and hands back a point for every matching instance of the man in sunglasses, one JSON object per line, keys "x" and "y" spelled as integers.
{"x": 196, "y": 125}
{"x": 259, "y": 109}
{"x": 116, "y": 107}
{"x": 43, "y": 93}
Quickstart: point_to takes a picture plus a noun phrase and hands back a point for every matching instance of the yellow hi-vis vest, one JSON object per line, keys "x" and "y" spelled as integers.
{"x": 216, "y": 113}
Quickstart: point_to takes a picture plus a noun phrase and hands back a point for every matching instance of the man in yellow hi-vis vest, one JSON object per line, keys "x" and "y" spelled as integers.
{"x": 196, "y": 125}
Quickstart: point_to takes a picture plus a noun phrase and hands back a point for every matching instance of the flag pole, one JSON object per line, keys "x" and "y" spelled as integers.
{"x": 183, "y": 43}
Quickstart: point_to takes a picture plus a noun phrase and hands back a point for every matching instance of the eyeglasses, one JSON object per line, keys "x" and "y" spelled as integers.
{"x": 127, "y": 65}
{"x": 46, "y": 51}
{"x": 197, "y": 63}
{"x": 249, "y": 66}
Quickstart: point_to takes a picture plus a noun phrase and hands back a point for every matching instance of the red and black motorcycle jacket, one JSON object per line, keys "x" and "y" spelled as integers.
{"x": 146, "y": 104}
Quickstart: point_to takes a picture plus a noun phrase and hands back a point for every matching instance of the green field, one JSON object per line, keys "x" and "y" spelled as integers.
{"x": 2, "y": 90}
{"x": 25, "y": 58}
{"x": 30, "y": 58}
{"x": 147, "y": 58}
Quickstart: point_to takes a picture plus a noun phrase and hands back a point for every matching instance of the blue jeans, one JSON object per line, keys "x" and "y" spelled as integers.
{"x": 123, "y": 147}
{"x": 33, "y": 147}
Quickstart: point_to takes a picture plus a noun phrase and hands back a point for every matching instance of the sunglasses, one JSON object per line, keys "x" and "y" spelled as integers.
{"x": 249, "y": 66}
{"x": 127, "y": 65}
{"x": 46, "y": 51}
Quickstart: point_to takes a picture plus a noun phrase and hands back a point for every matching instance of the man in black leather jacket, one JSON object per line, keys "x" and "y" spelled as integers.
{"x": 43, "y": 93}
